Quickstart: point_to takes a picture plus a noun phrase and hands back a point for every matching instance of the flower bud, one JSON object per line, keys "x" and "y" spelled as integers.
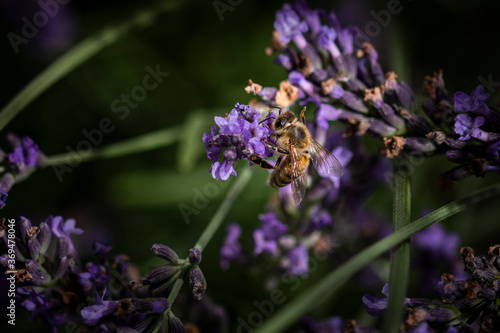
{"x": 197, "y": 282}
{"x": 62, "y": 267}
{"x": 418, "y": 145}
{"x": 44, "y": 237}
{"x": 34, "y": 248}
{"x": 161, "y": 273}
{"x": 175, "y": 324}
{"x": 62, "y": 248}
{"x": 38, "y": 277}
{"x": 165, "y": 252}
{"x": 354, "y": 102}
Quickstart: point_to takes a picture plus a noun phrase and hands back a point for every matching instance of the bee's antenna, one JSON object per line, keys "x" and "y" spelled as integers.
{"x": 271, "y": 117}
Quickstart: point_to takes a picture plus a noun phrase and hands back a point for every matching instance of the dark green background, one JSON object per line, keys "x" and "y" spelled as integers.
{"x": 133, "y": 201}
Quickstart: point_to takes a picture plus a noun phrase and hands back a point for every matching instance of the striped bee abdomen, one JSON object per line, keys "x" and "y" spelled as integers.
{"x": 282, "y": 176}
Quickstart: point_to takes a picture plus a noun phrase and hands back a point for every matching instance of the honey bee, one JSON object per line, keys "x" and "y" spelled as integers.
{"x": 296, "y": 147}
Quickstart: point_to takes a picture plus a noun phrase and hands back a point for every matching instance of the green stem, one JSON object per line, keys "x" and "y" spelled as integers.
{"x": 138, "y": 144}
{"x": 212, "y": 226}
{"x": 78, "y": 55}
{"x": 400, "y": 260}
{"x": 323, "y": 290}
{"x": 219, "y": 215}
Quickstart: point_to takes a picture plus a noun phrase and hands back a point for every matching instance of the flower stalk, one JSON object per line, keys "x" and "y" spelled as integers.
{"x": 206, "y": 236}
{"x": 142, "y": 143}
{"x": 400, "y": 261}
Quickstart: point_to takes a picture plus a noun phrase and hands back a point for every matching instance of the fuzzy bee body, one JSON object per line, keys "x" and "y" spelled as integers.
{"x": 282, "y": 176}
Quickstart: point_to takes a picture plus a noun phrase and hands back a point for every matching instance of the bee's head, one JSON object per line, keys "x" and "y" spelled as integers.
{"x": 284, "y": 120}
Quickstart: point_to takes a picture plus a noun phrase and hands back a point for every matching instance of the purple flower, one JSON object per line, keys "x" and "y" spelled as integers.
{"x": 326, "y": 39}
{"x": 96, "y": 276}
{"x": 311, "y": 16}
{"x": 466, "y": 103}
{"x": 288, "y": 24}
{"x": 159, "y": 305}
{"x": 91, "y": 314}
{"x": 39, "y": 307}
{"x": 466, "y": 126}
{"x": 296, "y": 261}
{"x": 64, "y": 229}
{"x": 319, "y": 218}
{"x": 326, "y": 112}
{"x": 494, "y": 149}
{"x": 240, "y": 136}
{"x": 268, "y": 93}
{"x": 271, "y": 226}
{"x": 101, "y": 249}
{"x": 440, "y": 244}
{"x": 231, "y": 249}
{"x": 213, "y": 150}
{"x": 376, "y": 306}
{"x": 300, "y": 81}
{"x": 222, "y": 171}
{"x": 262, "y": 244}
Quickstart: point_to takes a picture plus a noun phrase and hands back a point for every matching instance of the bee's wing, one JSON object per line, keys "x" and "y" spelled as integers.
{"x": 324, "y": 161}
{"x": 299, "y": 180}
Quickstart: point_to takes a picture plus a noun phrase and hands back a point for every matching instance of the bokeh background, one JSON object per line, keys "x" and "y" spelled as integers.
{"x": 133, "y": 201}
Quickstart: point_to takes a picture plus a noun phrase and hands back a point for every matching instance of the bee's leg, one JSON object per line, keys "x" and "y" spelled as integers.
{"x": 272, "y": 146}
{"x": 302, "y": 117}
{"x": 278, "y": 161}
{"x": 262, "y": 163}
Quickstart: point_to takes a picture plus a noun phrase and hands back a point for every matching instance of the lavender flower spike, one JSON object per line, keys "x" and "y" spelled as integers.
{"x": 240, "y": 137}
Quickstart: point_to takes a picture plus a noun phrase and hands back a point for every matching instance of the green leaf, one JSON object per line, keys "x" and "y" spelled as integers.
{"x": 214, "y": 224}
{"x": 400, "y": 260}
{"x": 154, "y": 189}
{"x": 324, "y": 289}
{"x": 142, "y": 143}
{"x": 190, "y": 143}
